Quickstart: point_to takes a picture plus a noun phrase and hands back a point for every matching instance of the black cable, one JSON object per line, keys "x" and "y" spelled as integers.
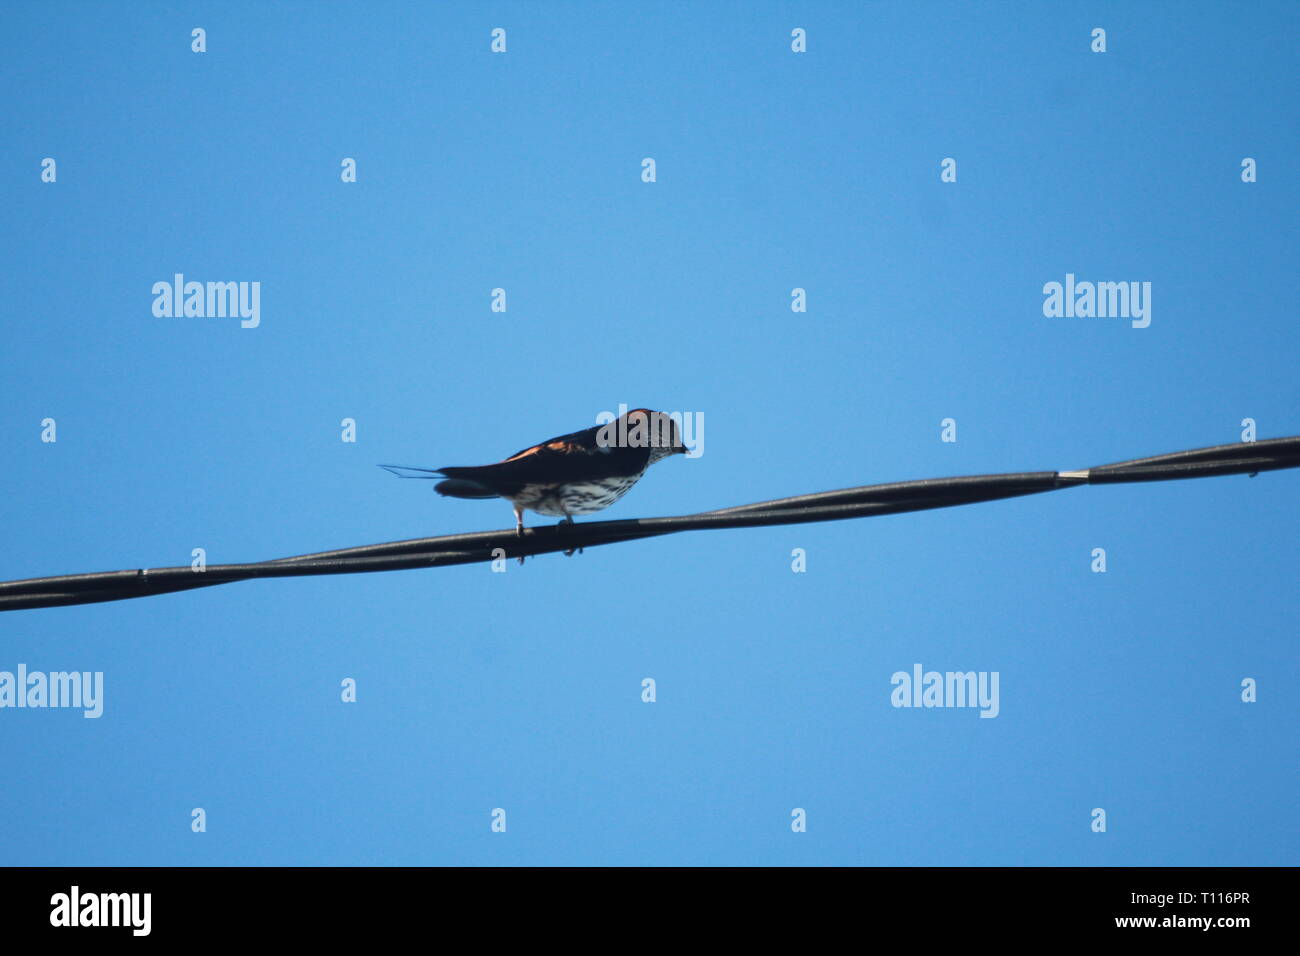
{"x": 866, "y": 501}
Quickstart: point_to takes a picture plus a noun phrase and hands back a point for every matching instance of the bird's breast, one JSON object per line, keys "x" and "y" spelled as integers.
{"x": 575, "y": 497}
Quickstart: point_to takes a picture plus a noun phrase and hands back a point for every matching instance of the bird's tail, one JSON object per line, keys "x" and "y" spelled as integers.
{"x": 402, "y": 471}
{"x": 451, "y": 487}
{"x": 463, "y": 488}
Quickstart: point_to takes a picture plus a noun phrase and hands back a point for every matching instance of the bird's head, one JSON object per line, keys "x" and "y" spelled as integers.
{"x": 656, "y": 430}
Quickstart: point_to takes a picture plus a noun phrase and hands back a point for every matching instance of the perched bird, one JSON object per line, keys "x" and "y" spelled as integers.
{"x": 575, "y": 474}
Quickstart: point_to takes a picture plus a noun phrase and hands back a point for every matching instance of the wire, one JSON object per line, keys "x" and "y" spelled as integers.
{"x": 865, "y": 501}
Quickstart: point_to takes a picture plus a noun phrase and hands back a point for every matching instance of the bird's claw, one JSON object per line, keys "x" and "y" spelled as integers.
{"x": 568, "y": 521}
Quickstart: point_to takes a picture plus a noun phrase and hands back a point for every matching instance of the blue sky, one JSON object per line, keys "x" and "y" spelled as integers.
{"x": 775, "y": 170}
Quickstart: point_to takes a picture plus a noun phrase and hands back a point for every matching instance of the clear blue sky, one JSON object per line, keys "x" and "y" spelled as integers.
{"x": 775, "y": 171}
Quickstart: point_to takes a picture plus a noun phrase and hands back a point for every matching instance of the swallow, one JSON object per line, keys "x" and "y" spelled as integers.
{"x": 575, "y": 474}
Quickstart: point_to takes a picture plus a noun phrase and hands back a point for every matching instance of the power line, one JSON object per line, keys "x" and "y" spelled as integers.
{"x": 865, "y": 501}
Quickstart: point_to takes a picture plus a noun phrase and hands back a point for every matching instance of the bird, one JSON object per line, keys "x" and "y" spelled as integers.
{"x": 575, "y": 474}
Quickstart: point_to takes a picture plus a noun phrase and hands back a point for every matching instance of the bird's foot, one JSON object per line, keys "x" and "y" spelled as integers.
{"x": 568, "y": 521}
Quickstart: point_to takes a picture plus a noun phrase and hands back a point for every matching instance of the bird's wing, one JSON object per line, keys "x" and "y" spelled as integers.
{"x": 568, "y": 458}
